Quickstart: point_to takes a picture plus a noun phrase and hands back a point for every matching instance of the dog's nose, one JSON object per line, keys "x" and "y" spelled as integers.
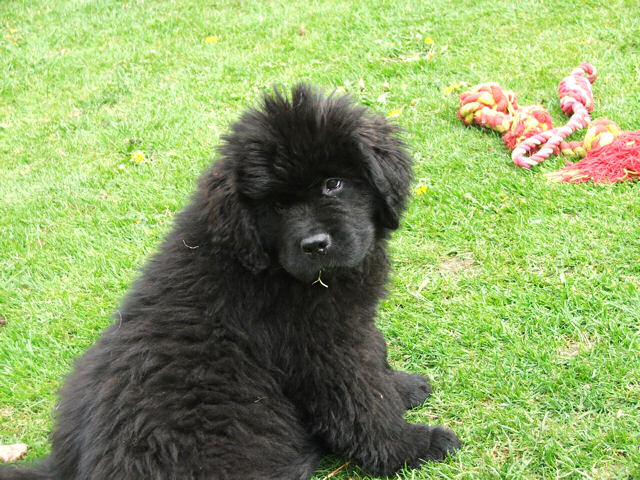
{"x": 317, "y": 244}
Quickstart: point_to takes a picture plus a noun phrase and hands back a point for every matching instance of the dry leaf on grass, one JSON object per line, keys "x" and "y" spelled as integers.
{"x": 10, "y": 453}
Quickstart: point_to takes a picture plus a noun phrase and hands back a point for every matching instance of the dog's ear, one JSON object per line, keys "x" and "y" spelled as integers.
{"x": 231, "y": 225}
{"x": 387, "y": 166}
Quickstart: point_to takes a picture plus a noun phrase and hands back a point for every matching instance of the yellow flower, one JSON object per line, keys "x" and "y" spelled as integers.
{"x": 211, "y": 39}
{"x": 451, "y": 88}
{"x": 395, "y": 113}
{"x": 137, "y": 156}
{"x": 421, "y": 190}
{"x": 428, "y": 40}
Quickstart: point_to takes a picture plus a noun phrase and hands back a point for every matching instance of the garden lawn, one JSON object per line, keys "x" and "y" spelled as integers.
{"x": 520, "y": 298}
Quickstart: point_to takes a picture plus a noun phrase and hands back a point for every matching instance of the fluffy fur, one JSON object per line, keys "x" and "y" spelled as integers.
{"x": 247, "y": 349}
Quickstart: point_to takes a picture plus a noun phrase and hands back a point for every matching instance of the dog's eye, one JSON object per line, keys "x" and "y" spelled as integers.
{"x": 332, "y": 186}
{"x": 280, "y": 207}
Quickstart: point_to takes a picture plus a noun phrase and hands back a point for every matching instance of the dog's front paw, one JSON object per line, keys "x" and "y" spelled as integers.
{"x": 418, "y": 444}
{"x": 434, "y": 445}
{"x": 443, "y": 443}
{"x": 412, "y": 387}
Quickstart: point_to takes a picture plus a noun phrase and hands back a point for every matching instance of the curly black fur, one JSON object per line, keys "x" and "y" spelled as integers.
{"x": 247, "y": 349}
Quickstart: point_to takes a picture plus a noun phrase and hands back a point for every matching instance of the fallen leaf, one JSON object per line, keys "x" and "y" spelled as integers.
{"x": 10, "y": 453}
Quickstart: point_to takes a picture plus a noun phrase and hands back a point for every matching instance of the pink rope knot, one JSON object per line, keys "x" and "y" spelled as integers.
{"x": 586, "y": 70}
{"x": 575, "y": 90}
{"x": 576, "y": 100}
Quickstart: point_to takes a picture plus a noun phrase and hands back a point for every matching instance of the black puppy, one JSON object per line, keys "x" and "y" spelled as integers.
{"x": 247, "y": 349}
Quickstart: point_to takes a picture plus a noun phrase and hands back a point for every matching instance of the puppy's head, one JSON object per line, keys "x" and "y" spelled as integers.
{"x": 319, "y": 178}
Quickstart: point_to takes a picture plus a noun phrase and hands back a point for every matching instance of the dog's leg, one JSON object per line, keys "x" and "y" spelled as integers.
{"x": 363, "y": 420}
{"x": 413, "y": 388}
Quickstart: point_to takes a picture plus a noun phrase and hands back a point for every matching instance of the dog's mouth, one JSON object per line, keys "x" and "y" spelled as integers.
{"x": 305, "y": 271}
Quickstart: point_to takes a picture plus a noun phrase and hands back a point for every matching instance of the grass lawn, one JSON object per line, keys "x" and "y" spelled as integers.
{"x": 519, "y": 297}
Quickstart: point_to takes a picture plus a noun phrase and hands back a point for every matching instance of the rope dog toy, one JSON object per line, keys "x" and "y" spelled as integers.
{"x": 613, "y": 162}
{"x": 576, "y": 101}
{"x": 528, "y": 131}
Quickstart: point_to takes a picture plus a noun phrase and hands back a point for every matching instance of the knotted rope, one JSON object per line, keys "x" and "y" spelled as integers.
{"x": 529, "y": 130}
{"x": 616, "y": 161}
{"x": 576, "y": 101}
{"x": 608, "y": 154}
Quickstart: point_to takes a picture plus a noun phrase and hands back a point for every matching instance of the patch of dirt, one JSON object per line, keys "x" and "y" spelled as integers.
{"x": 574, "y": 346}
{"x": 455, "y": 263}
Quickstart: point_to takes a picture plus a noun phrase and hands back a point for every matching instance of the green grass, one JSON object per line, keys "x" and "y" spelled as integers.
{"x": 520, "y": 298}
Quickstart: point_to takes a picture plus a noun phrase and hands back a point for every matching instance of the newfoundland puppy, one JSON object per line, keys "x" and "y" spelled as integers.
{"x": 248, "y": 347}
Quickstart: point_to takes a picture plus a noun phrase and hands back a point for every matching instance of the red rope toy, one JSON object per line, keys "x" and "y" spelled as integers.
{"x": 608, "y": 155}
